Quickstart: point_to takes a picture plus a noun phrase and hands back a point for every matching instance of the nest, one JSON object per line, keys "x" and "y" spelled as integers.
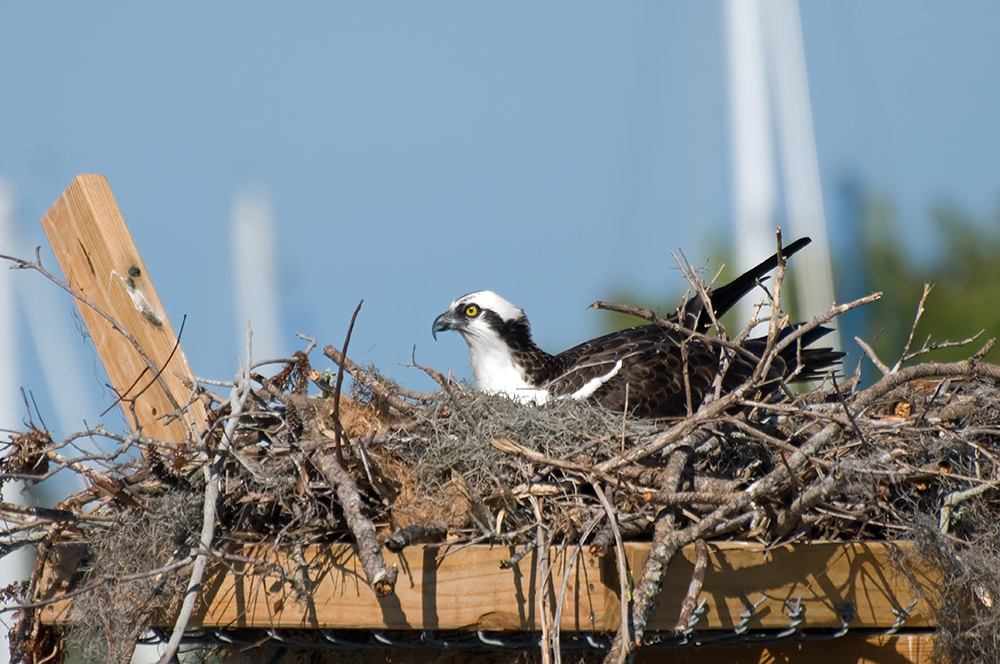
{"x": 914, "y": 456}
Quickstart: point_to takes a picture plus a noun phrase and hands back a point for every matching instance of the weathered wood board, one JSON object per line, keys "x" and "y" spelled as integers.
{"x": 100, "y": 261}
{"x": 467, "y": 589}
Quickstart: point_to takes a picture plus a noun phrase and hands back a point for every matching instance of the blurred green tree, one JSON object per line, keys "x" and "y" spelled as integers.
{"x": 961, "y": 261}
{"x": 963, "y": 268}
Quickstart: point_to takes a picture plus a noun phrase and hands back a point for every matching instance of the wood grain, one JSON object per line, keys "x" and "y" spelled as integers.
{"x": 827, "y": 577}
{"x": 467, "y": 589}
{"x": 912, "y": 648}
{"x": 100, "y": 261}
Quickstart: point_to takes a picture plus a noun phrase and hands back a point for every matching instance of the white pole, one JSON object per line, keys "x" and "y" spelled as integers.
{"x": 255, "y": 275}
{"x": 58, "y": 347}
{"x": 800, "y": 165}
{"x": 15, "y": 566}
{"x": 752, "y": 142}
{"x": 11, "y": 406}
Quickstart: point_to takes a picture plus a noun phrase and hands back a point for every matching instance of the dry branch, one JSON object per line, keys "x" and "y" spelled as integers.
{"x": 382, "y": 579}
{"x": 664, "y": 548}
{"x": 694, "y": 589}
{"x": 389, "y": 393}
{"x": 213, "y": 475}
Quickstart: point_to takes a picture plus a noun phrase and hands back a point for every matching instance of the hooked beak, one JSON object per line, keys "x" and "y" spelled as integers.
{"x": 445, "y": 321}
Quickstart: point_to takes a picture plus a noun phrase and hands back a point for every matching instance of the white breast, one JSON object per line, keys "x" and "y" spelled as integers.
{"x": 494, "y": 369}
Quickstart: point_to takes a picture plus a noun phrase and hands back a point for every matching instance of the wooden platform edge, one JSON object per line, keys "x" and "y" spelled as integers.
{"x": 912, "y": 648}
{"x": 442, "y": 589}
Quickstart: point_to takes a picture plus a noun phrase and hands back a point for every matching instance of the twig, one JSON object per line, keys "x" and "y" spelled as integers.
{"x": 666, "y": 541}
{"x": 156, "y": 377}
{"x": 627, "y": 309}
{"x": 625, "y": 628}
{"x": 870, "y": 352}
{"x": 704, "y": 301}
{"x": 913, "y": 328}
{"x": 678, "y": 431}
{"x": 100, "y": 581}
{"x": 956, "y": 498}
{"x": 711, "y": 410}
{"x": 665, "y": 546}
{"x": 382, "y": 579}
{"x": 519, "y": 555}
{"x": 788, "y": 519}
{"x": 371, "y": 382}
{"x": 510, "y": 447}
{"x": 832, "y": 313}
{"x": 336, "y": 392}
{"x": 415, "y": 534}
{"x": 606, "y": 535}
{"x": 213, "y": 474}
{"x": 694, "y": 588}
{"x": 550, "y": 647}
{"x": 567, "y": 572}
{"x": 929, "y": 347}
{"x": 682, "y": 498}
{"x": 437, "y": 376}
{"x": 971, "y": 367}
{"x": 312, "y": 342}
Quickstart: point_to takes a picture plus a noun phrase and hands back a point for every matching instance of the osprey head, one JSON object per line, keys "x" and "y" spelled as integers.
{"x": 499, "y": 340}
{"x": 477, "y": 315}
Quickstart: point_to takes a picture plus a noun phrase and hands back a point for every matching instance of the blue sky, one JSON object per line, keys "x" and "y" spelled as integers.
{"x": 555, "y": 152}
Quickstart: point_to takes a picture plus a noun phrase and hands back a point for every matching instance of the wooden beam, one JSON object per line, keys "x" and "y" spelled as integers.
{"x": 467, "y": 589}
{"x": 100, "y": 261}
{"x": 826, "y": 576}
{"x": 849, "y": 649}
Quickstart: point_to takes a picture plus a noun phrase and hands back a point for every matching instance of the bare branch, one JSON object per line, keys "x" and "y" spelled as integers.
{"x": 382, "y": 579}
{"x": 873, "y": 357}
{"x": 213, "y": 474}
{"x": 913, "y": 328}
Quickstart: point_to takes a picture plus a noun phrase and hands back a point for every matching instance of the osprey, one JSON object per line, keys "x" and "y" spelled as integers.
{"x": 640, "y": 368}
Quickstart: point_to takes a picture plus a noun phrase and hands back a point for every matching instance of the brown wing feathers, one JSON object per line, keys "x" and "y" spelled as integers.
{"x": 652, "y": 362}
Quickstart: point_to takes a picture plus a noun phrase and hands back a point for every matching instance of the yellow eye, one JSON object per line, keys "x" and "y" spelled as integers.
{"x": 471, "y": 310}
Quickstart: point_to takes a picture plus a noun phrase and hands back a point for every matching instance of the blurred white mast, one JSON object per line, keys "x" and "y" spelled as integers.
{"x": 15, "y": 566}
{"x": 797, "y": 145}
{"x": 58, "y": 347}
{"x": 11, "y": 405}
{"x": 752, "y": 142}
{"x": 255, "y": 275}
{"x": 766, "y": 55}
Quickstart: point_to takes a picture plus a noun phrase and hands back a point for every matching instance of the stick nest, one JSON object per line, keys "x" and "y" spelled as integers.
{"x": 914, "y": 456}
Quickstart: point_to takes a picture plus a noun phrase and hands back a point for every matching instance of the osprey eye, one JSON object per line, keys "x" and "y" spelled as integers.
{"x": 471, "y": 310}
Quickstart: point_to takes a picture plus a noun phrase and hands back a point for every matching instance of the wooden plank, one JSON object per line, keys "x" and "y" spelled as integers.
{"x": 827, "y": 577}
{"x": 100, "y": 261}
{"x": 850, "y": 649}
{"x": 468, "y": 590}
